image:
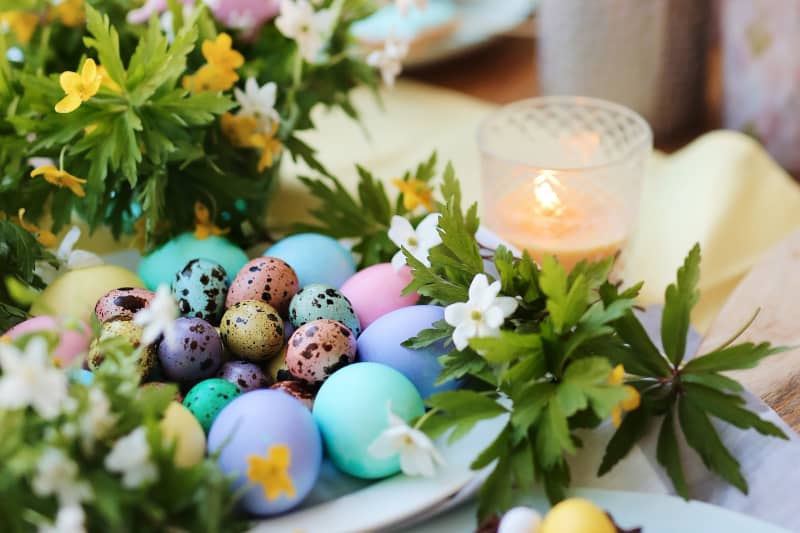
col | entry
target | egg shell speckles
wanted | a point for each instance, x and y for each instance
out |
(318, 349)
(253, 330)
(131, 333)
(122, 304)
(276, 367)
(315, 302)
(267, 279)
(206, 399)
(302, 392)
(245, 375)
(197, 353)
(200, 289)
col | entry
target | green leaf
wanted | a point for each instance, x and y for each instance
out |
(646, 357)
(669, 456)
(729, 407)
(553, 439)
(739, 357)
(713, 380)
(634, 426)
(510, 346)
(566, 303)
(498, 448)
(528, 407)
(495, 495)
(585, 382)
(679, 300)
(440, 331)
(464, 408)
(106, 41)
(703, 438)
(459, 363)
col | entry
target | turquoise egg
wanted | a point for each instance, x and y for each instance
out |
(351, 411)
(318, 302)
(315, 258)
(160, 266)
(206, 399)
(200, 288)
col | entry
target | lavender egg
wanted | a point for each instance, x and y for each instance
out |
(197, 353)
(247, 376)
(318, 349)
(200, 288)
(259, 432)
(122, 304)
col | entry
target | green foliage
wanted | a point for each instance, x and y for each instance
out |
(19, 252)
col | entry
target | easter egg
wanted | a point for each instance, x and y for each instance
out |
(269, 442)
(315, 302)
(351, 410)
(267, 279)
(252, 329)
(132, 334)
(75, 293)
(196, 353)
(576, 515)
(377, 290)
(302, 392)
(81, 376)
(206, 399)
(73, 336)
(316, 258)
(122, 304)
(245, 375)
(382, 342)
(159, 267)
(276, 367)
(319, 348)
(181, 428)
(200, 288)
(519, 519)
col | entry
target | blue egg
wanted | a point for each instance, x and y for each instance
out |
(315, 258)
(250, 432)
(317, 302)
(81, 376)
(351, 411)
(160, 266)
(200, 288)
(382, 342)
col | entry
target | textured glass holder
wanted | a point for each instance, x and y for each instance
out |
(562, 175)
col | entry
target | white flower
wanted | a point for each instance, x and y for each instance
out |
(158, 318)
(418, 242)
(309, 28)
(30, 379)
(97, 420)
(482, 315)
(418, 455)
(167, 23)
(56, 475)
(70, 519)
(390, 59)
(404, 5)
(130, 457)
(259, 103)
(67, 257)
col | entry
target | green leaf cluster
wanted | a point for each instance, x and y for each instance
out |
(19, 252)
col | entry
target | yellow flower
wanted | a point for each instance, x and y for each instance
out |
(69, 12)
(238, 129)
(219, 53)
(22, 23)
(79, 87)
(210, 78)
(60, 178)
(269, 146)
(272, 472)
(45, 238)
(631, 403)
(5, 339)
(415, 192)
(204, 227)
(106, 80)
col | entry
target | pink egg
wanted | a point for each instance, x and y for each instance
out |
(74, 336)
(377, 290)
(267, 279)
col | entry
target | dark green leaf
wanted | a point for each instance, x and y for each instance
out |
(553, 439)
(713, 380)
(739, 357)
(634, 426)
(566, 303)
(440, 331)
(669, 455)
(729, 407)
(464, 408)
(647, 357)
(679, 300)
(498, 448)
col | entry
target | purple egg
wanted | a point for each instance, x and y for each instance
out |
(382, 342)
(245, 375)
(254, 427)
(197, 354)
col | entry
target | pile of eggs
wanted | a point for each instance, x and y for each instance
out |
(292, 351)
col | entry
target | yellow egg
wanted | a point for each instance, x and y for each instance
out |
(576, 515)
(75, 293)
(181, 427)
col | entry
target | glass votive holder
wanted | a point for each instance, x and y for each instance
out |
(562, 176)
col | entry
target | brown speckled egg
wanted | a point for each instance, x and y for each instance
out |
(267, 279)
(276, 367)
(252, 330)
(318, 349)
(131, 333)
(122, 304)
(303, 392)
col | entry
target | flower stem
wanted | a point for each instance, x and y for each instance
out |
(427, 416)
(61, 157)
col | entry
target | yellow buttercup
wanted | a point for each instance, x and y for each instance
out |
(45, 238)
(415, 193)
(631, 403)
(79, 87)
(60, 178)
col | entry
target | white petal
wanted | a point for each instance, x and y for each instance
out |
(398, 261)
(462, 334)
(485, 330)
(382, 447)
(68, 243)
(478, 291)
(455, 314)
(494, 317)
(422, 255)
(400, 230)
(428, 231)
(506, 304)
(415, 462)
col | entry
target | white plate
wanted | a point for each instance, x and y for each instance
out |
(481, 20)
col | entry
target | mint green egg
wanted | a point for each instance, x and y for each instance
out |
(351, 411)
(206, 399)
(160, 266)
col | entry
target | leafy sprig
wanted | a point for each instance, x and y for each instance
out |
(19, 252)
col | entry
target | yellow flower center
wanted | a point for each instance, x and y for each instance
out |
(476, 315)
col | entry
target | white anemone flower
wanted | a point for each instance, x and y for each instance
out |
(259, 103)
(482, 315)
(130, 457)
(68, 257)
(309, 28)
(56, 475)
(30, 379)
(158, 318)
(69, 519)
(417, 241)
(389, 60)
(418, 454)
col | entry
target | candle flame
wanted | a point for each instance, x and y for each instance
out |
(546, 197)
